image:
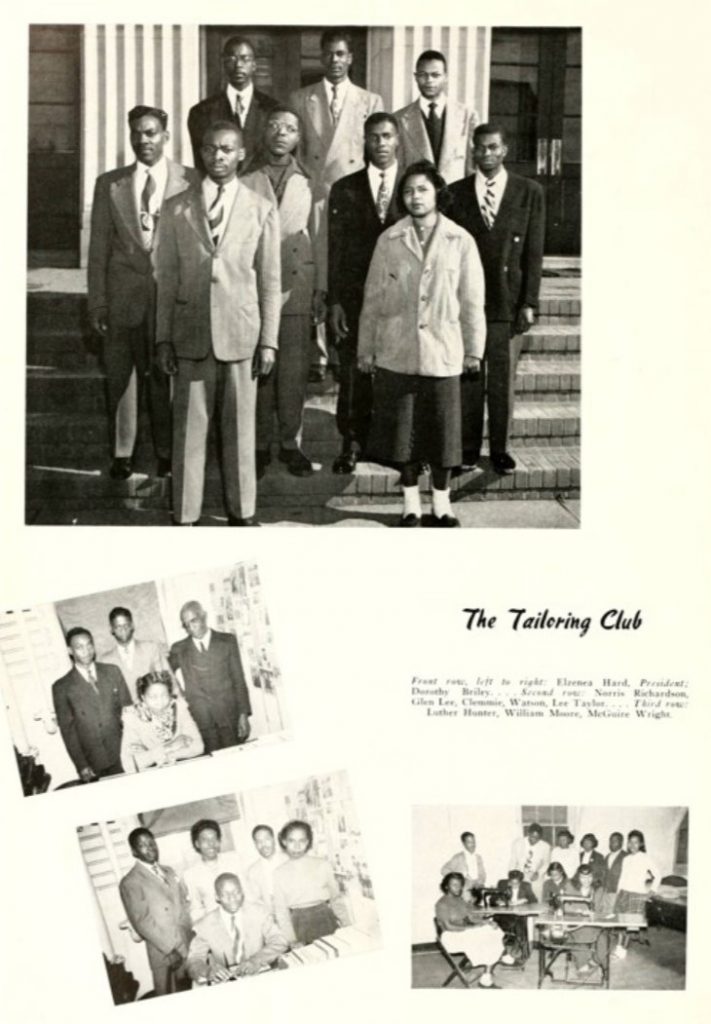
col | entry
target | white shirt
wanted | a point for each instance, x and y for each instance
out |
(245, 96)
(84, 671)
(205, 640)
(200, 877)
(209, 193)
(127, 652)
(440, 103)
(472, 865)
(230, 921)
(260, 876)
(531, 858)
(375, 178)
(567, 857)
(341, 92)
(159, 173)
(497, 188)
(635, 868)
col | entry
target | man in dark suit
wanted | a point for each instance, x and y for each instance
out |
(505, 214)
(156, 904)
(239, 102)
(361, 206)
(125, 220)
(213, 680)
(613, 870)
(88, 702)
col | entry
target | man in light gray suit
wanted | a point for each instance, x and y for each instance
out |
(134, 657)
(434, 127)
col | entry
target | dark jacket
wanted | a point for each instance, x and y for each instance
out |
(217, 108)
(598, 865)
(90, 721)
(511, 251)
(525, 890)
(215, 686)
(612, 875)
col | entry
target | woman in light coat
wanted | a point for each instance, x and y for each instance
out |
(158, 729)
(422, 325)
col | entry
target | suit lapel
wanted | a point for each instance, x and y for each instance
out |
(453, 129)
(175, 181)
(125, 204)
(508, 201)
(320, 114)
(417, 131)
(348, 121)
(196, 216)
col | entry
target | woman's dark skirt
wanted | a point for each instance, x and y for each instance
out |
(416, 419)
(311, 923)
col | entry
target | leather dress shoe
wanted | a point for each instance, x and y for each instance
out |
(317, 374)
(238, 521)
(163, 467)
(264, 457)
(410, 520)
(345, 463)
(296, 462)
(121, 469)
(503, 463)
(470, 459)
(446, 521)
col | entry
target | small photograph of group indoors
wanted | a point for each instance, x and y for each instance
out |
(213, 891)
(139, 677)
(550, 897)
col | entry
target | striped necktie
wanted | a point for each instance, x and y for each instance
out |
(334, 105)
(239, 110)
(488, 207)
(147, 218)
(383, 199)
(216, 215)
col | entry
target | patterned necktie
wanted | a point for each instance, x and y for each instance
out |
(334, 105)
(382, 200)
(488, 207)
(147, 218)
(239, 110)
(235, 939)
(215, 216)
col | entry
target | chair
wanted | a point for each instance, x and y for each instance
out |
(456, 961)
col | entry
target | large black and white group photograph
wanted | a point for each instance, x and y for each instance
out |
(221, 889)
(550, 897)
(290, 275)
(140, 677)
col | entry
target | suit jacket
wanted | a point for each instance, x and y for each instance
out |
(598, 865)
(120, 271)
(353, 230)
(299, 271)
(217, 108)
(158, 911)
(612, 874)
(90, 722)
(213, 945)
(225, 298)
(142, 745)
(525, 890)
(512, 251)
(147, 657)
(455, 155)
(459, 863)
(328, 152)
(214, 682)
(423, 314)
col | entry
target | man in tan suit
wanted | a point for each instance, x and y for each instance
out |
(333, 113)
(134, 657)
(280, 178)
(219, 300)
(434, 127)
(125, 218)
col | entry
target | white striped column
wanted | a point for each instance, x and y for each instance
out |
(124, 65)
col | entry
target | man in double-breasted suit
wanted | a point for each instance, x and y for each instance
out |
(135, 658)
(434, 127)
(280, 178)
(88, 702)
(333, 113)
(239, 102)
(505, 214)
(235, 939)
(213, 679)
(125, 220)
(156, 905)
(219, 301)
(360, 207)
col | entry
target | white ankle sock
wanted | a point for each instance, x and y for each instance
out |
(411, 501)
(440, 502)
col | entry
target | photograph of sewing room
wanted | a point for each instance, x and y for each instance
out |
(217, 890)
(549, 897)
(144, 676)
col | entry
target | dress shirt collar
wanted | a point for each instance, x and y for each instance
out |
(440, 103)
(227, 921)
(205, 640)
(341, 91)
(127, 651)
(159, 173)
(499, 180)
(246, 96)
(374, 177)
(83, 670)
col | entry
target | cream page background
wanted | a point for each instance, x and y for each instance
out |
(357, 612)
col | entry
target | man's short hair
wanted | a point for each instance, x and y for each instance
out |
(201, 826)
(466, 835)
(238, 41)
(431, 55)
(226, 876)
(136, 834)
(377, 117)
(143, 111)
(489, 128)
(284, 108)
(77, 631)
(336, 35)
(262, 828)
(118, 612)
(534, 827)
(218, 126)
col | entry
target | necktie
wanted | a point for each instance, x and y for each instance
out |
(215, 216)
(147, 218)
(91, 672)
(158, 871)
(488, 207)
(235, 939)
(334, 105)
(203, 648)
(434, 130)
(383, 199)
(239, 110)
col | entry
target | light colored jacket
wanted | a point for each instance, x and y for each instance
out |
(455, 156)
(141, 743)
(458, 862)
(423, 313)
(213, 947)
(225, 297)
(148, 656)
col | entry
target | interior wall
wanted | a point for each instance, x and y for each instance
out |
(92, 612)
